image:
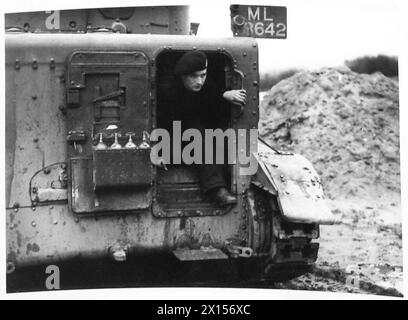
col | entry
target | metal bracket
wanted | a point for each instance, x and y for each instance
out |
(238, 251)
(76, 136)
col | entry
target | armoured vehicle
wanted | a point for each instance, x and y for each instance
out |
(77, 80)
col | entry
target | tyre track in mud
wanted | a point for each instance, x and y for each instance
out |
(331, 279)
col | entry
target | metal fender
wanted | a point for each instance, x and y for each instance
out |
(292, 178)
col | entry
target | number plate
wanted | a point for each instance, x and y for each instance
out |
(258, 21)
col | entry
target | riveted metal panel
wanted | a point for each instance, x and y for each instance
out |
(300, 192)
(113, 92)
(52, 234)
(123, 168)
(91, 235)
(35, 125)
(139, 20)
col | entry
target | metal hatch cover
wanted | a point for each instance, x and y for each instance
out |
(300, 192)
(108, 101)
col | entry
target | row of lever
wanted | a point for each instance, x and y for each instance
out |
(129, 145)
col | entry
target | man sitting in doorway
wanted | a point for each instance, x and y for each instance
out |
(196, 103)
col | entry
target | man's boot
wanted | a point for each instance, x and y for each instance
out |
(222, 197)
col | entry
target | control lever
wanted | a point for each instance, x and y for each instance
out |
(130, 144)
(109, 96)
(145, 144)
(101, 145)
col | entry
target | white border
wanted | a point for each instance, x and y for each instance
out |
(204, 293)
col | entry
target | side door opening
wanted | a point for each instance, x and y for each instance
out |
(178, 188)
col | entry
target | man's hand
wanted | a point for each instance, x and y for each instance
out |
(237, 97)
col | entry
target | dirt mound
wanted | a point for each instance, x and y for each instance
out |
(346, 124)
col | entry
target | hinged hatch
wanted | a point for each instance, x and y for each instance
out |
(108, 119)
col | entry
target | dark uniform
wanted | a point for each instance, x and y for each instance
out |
(192, 98)
(197, 110)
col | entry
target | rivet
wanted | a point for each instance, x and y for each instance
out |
(244, 53)
(62, 109)
(217, 212)
(52, 63)
(255, 83)
(33, 208)
(34, 64)
(33, 223)
(51, 207)
(55, 222)
(17, 64)
(76, 220)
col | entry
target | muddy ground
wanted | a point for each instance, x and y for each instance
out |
(361, 255)
(347, 125)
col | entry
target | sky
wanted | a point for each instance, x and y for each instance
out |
(320, 33)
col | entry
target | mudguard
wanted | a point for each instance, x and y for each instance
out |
(295, 182)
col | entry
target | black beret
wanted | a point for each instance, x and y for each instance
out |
(190, 62)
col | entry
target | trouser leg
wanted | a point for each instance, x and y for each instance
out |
(211, 176)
